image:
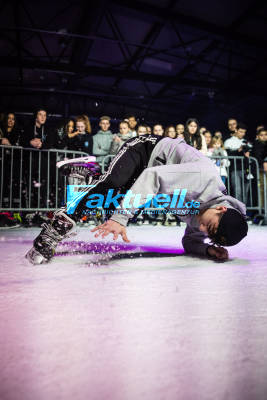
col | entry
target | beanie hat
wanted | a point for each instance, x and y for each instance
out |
(232, 228)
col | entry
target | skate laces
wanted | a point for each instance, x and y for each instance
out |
(50, 236)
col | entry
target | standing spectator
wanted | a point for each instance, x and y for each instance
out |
(120, 138)
(158, 130)
(132, 124)
(102, 140)
(208, 138)
(81, 139)
(149, 130)
(232, 126)
(141, 130)
(193, 137)
(170, 132)
(259, 152)
(11, 160)
(235, 147)
(10, 131)
(180, 130)
(218, 135)
(37, 135)
(217, 150)
(64, 133)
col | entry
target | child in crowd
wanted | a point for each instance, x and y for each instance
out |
(120, 138)
(217, 150)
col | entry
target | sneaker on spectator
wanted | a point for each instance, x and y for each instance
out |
(6, 221)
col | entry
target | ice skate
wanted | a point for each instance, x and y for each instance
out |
(80, 171)
(44, 246)
(34, 257)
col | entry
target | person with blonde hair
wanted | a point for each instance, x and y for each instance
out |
(217, 150)
(81, 138)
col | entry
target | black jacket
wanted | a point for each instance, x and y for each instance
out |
(14, 136)
(44, 133)
(82, 142)
(260, 152)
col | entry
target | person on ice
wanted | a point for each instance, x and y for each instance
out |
(150, 165)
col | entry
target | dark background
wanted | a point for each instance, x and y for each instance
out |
(163, 61)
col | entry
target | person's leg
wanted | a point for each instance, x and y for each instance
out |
(124, 168)
(122, 171)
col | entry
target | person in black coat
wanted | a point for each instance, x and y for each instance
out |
(37, 134)
(259, 152)
(10, 131)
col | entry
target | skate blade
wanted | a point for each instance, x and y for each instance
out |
(35, 258)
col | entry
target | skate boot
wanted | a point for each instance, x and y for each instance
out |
(80, 171)
(44, 246)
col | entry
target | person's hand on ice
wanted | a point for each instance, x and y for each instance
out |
(220, 253)
(111, 227)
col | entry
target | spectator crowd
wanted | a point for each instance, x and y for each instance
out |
(76, 135)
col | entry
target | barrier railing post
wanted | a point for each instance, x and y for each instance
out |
(20, 178)
(2, 177)
(11, 178)
(30, 179)
(265, 196)
(48, 180)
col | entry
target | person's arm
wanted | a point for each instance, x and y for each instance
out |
(73, 134)
(193, 243)
(5, 142)
(224, 161)
(115, 145)
(97, 149)
(204, 148)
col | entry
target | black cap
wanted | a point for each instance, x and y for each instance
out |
(232, 228)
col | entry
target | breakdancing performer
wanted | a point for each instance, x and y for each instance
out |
(150, 165)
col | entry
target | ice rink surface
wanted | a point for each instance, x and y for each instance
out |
(126, 322)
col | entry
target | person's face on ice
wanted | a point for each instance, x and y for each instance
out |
(192, 128)
(209, 219)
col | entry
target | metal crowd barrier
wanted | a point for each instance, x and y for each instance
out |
(265, 196)
(105, 162)
(243, 180)
(30, 180)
